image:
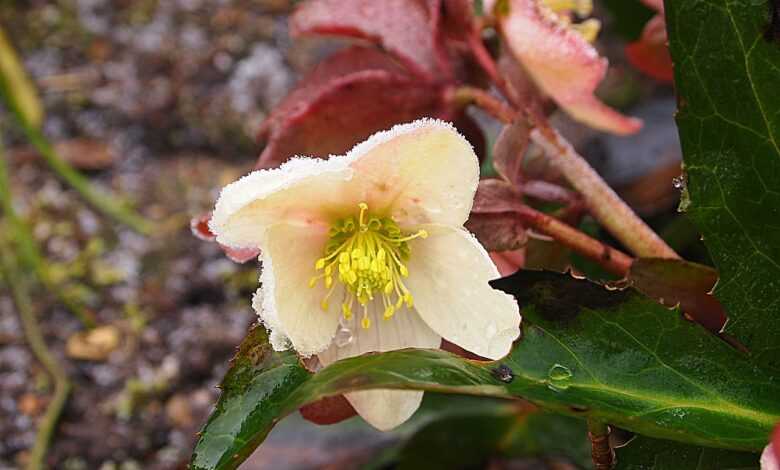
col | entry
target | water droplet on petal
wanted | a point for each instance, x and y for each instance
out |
(343, 337)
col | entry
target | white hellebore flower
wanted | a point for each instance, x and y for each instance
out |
(367, 252)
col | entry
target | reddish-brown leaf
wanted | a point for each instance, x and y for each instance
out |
(498, 231)
(347, 98)
(675, 282)
(495, 195)
(329, 410)
(509, 150)
(650, 54)
(406, 28)
(493, 219)
(457, 19)
(776, 441)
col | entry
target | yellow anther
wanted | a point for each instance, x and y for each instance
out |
(581, 8)
(346, 309)
(369, 255)
(389, 311)
(324, 305)
(409, 300)
(588, 29)
(313, 281)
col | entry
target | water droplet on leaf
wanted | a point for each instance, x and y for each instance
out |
(503, 373)
(559, 376)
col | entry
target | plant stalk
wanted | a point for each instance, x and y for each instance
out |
(28, 251)
(612, 260)
(101, 202)
(62, 387)
(601, 452)
(601, 200)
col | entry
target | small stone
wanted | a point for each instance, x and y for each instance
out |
(93, 345)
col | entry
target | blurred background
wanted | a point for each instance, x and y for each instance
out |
(159, 101)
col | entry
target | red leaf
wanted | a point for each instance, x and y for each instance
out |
(675, 282)
(509, 150)
(776, 441)
(348, 97)
(405, 28)
(329, 410)
(650, 54)
(457, 19)
(508, 262)
(493, 219)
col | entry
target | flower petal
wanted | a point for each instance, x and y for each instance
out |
(422, 172)
(384, 409)
(562, 64)
(303, 190)
(289, 307)
(448, 277)
(769, 460)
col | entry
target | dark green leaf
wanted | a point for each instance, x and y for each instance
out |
(630, 17)
(727, 76)
(615, 356)
(254, 393)
(644, 453)
(465, 440)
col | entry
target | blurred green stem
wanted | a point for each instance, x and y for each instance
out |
(28, 251)
(21, 296)
(102, 202)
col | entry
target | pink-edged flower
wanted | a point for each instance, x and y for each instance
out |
(367, 252)
(558, 56)
(770, 458)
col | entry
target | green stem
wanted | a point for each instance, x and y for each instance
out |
(602, 201)
(37, 345)
(28, 251)
(101, 202)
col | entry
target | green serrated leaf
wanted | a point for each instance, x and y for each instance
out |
(727, 72)
(614, 356)
(643, 453)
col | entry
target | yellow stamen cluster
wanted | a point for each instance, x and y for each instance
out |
(366, 255)
(588, 29)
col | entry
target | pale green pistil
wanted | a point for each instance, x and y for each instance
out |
(367, 256)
